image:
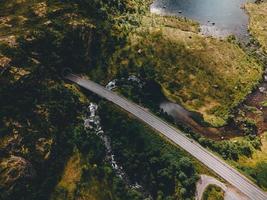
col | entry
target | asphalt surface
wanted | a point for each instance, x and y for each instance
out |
(230, 193)
(213, 162)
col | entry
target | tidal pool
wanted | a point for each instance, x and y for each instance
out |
(216, 17)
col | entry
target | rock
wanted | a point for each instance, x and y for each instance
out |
(111, 85)
(4, 63)
(13, 144)
(262, 89)
(48, 22)
(40, 9)
(10, 40)
(14, 171)
(43, 147)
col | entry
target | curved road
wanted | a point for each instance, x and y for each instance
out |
(230, 193)
(203, 155)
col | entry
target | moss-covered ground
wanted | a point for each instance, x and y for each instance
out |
(255, 166)
(207, 75)
(258, 22)
(213, 192)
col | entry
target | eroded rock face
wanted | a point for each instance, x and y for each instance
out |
(40, 9)
(13, 144)
(4, 62)
(14, 170)
(43, 147)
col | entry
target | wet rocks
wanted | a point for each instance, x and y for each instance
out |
(92, 123)
(262, 89)
(132, 79)
(112, 84)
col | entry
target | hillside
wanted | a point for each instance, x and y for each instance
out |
(258, 22)
(45, 150)
(206, 75)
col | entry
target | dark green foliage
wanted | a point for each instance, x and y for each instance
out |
(161, 168)
(213, 192)
(259, 173)
(149, 94)
(37, 106)
(20, 103)
(96, 170)
(229, 149)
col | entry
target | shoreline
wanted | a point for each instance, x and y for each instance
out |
(249, 99)
(209, 28)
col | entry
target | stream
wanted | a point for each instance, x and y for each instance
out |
(92, 123)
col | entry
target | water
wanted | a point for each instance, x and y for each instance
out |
(217, 17)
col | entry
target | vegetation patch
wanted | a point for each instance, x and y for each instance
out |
(256, 165)
(162, 169)
(258, 22)
(213, 192)
(70, 178)
(39, 112)
(206, 75)
(264, 103)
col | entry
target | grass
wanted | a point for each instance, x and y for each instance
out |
(258, 22)
(204, 74)
(95, 190)
(258, 155)
(213, 192)
(264, 103)
(255, 167)
(73, 184)
(71, 176)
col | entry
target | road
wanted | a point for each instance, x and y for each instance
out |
(213, 162)
(230, 193)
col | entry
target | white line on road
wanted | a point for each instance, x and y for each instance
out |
(203, 155)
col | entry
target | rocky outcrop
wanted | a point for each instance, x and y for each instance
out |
(14, 171)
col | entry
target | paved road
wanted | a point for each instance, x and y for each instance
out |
(204, 182)
(207, 158)
(230, 193)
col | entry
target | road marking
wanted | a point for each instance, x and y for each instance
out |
(203, 155)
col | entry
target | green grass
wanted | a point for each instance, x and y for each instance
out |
(264, 103)
(255, 167)
(204, 74)
(70, 178)
(258, 156)
(258, 22)
(213, 192)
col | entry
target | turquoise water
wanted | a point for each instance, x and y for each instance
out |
(217, 17)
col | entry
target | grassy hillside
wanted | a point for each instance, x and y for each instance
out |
(258, 22)
(39, 112)
(204, 74)
(41, 115)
